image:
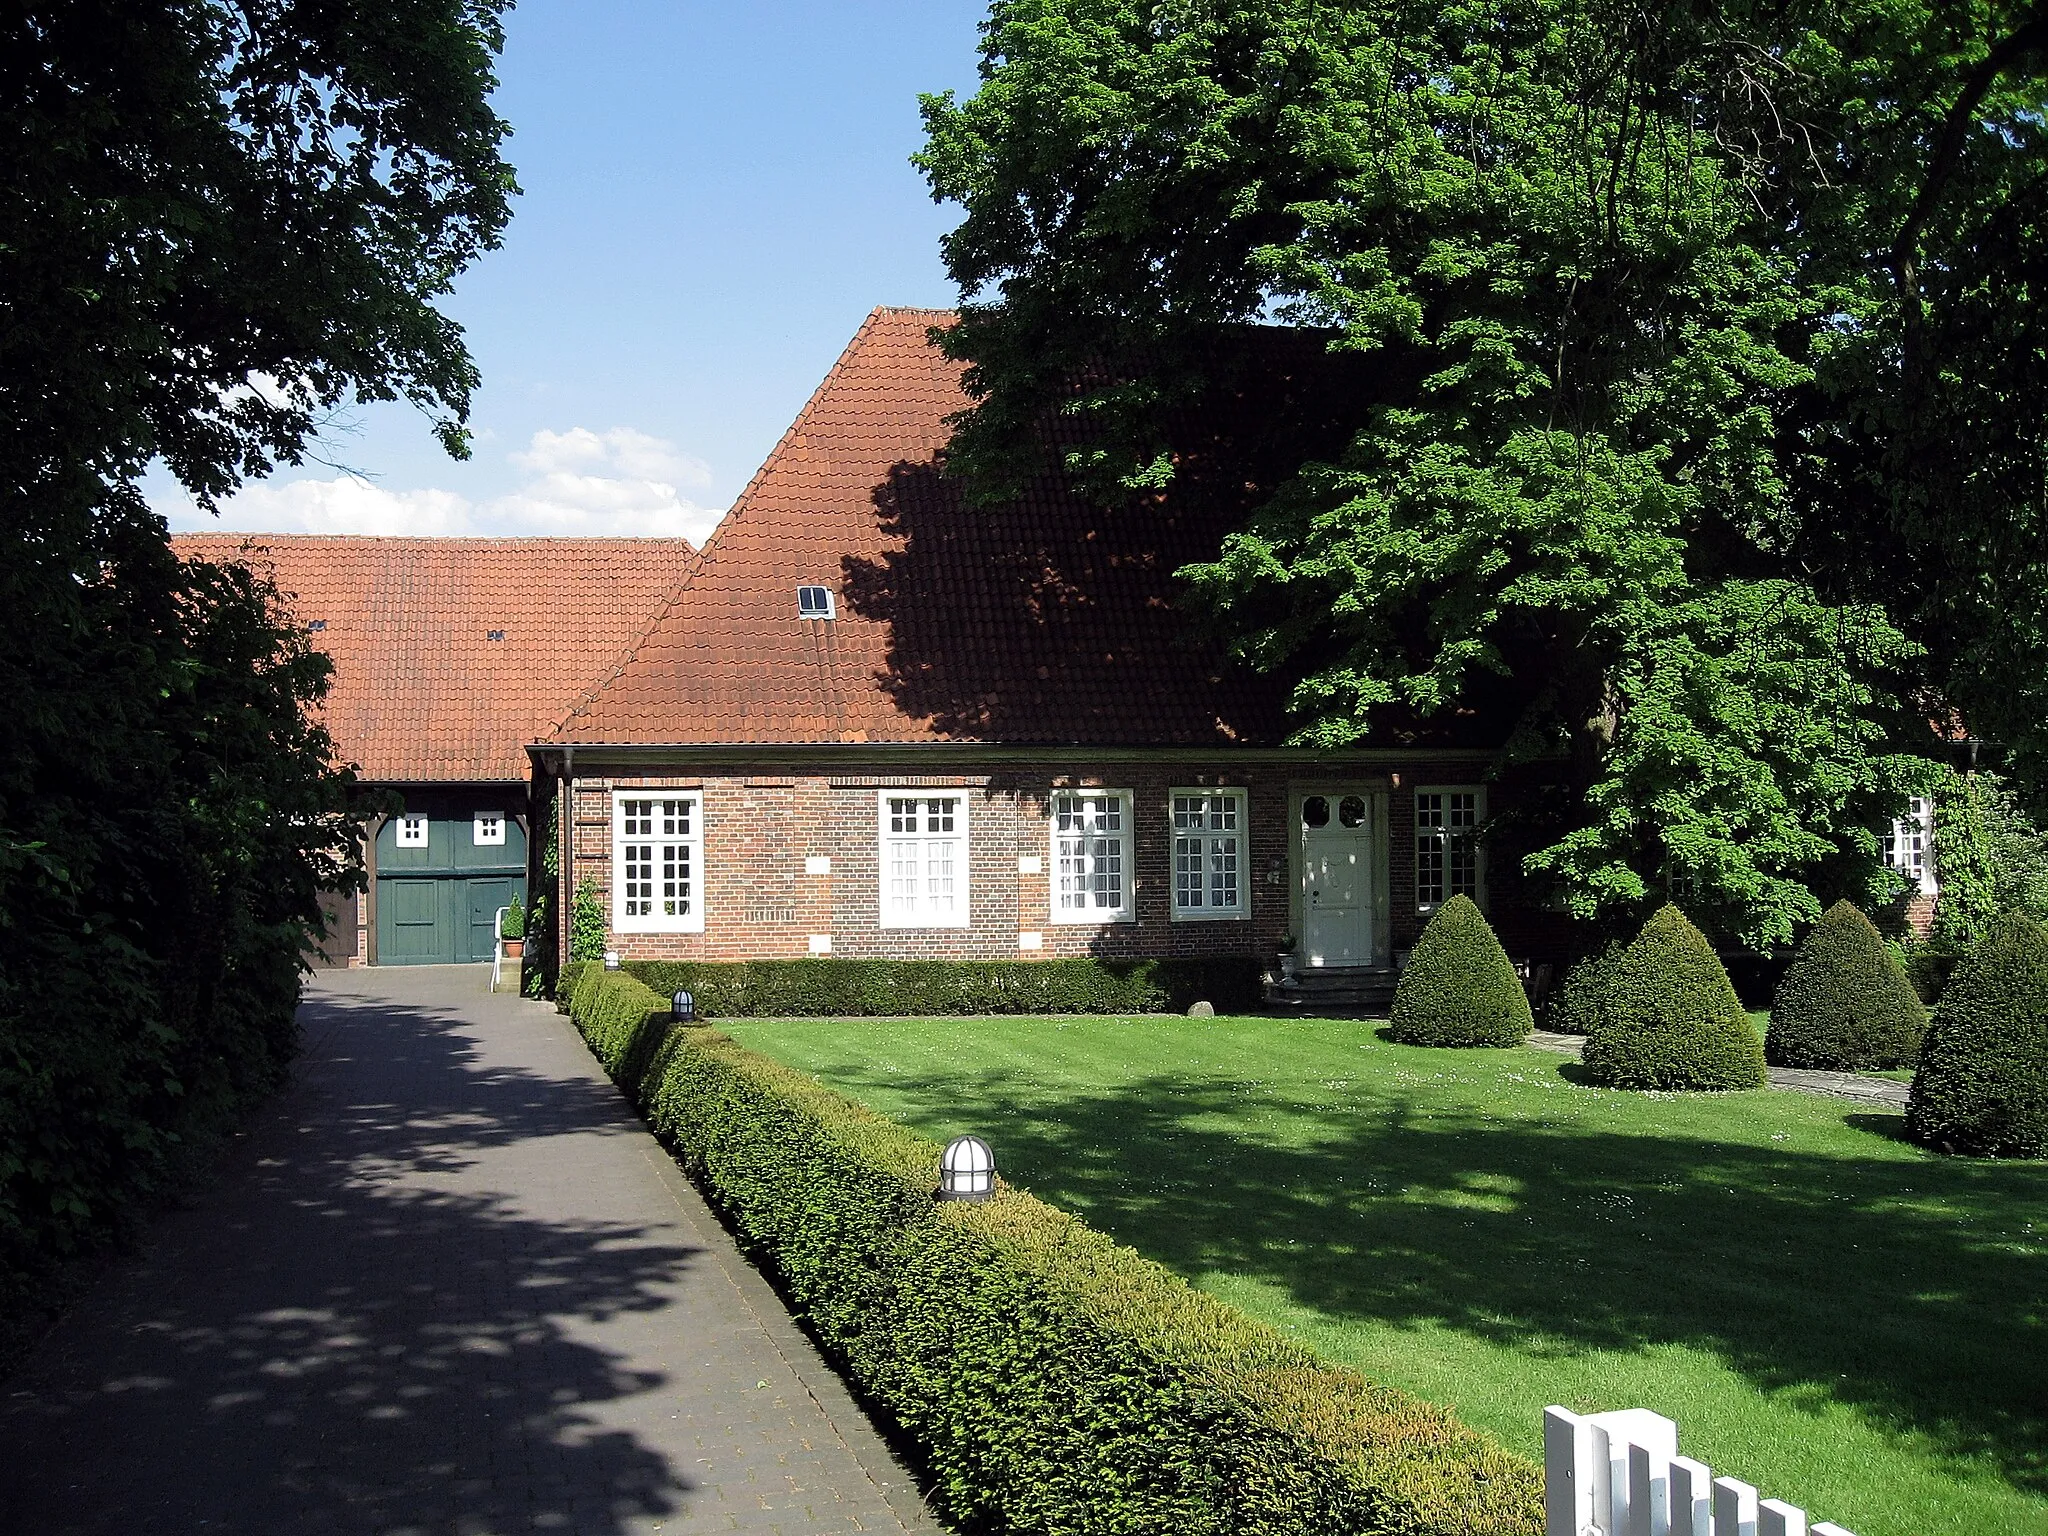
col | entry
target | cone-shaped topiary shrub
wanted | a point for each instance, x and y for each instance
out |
(1982, 1086)
(1459, 987)
(1671, 1019)
(1845, 1004)
(1576, 1003)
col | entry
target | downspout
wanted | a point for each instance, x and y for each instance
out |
(376, 827)
(565, 916)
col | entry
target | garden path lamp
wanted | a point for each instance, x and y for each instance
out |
(967, 1170)
(682, 1008)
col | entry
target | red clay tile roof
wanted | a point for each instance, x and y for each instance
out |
(420, 691)
(1047, 621)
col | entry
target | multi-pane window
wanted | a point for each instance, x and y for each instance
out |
(924, 860)
(412, 831)
(1208, 853)
(487, 829)
(1091, 856)
(1909, 844)
(1447, 853)
(657, 863)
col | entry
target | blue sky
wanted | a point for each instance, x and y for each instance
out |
(714, 195)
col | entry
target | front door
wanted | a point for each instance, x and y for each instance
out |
(1339, 878)
(485, 898)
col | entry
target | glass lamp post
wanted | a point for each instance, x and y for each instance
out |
(967, 1169)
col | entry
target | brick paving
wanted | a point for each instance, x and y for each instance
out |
(447, 1284)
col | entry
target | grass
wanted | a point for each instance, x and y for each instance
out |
(1828, 1312)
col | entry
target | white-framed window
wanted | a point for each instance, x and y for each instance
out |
(1909, 845)
(923, 848)
(657, 861)
(412, 831)
(1448, 859)
(1210, 855)
(487, 829)
(1091, 856)
(815, 603)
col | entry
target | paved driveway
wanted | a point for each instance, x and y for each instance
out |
(447, 1284)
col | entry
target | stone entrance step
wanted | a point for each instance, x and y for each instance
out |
(1335, 990)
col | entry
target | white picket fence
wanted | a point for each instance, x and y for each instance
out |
(1620, 1474)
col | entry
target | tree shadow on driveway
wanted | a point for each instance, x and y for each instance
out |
(389, 1315)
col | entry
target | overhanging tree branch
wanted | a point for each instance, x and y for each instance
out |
(2028, 38)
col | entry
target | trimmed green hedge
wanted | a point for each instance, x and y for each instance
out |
(1459, 987)
(1669, 1018)
(1051, 1380)
(838, 988)
(1575, 1006)
(1845, 1004)
(566, 979)
(1929, 970)
(1982, 1087)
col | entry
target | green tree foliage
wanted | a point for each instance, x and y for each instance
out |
(1982, 1086)
(587, 927)
(1670, 1017)
(219, 223)
(1459, 987)
(2019, 850)
(158, 882)
(1845, 1004)
(541, 964)
(1694, 398)
(1966, 861)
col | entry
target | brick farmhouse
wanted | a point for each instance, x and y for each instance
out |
(871, 719)
(876, 720)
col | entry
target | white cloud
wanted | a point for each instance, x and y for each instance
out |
(579, 482)
(635, 455)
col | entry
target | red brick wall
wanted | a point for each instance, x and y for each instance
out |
(759, 828)
(1920, 914)
(760, 904)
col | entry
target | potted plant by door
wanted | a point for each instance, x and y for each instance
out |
(1287, 958)
(512, 929)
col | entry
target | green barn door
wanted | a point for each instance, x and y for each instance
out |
(412, 923)
(445, 864)
(485, 897)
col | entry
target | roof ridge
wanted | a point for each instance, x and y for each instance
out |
(737, 510)
(437, 539)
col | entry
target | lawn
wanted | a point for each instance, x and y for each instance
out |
(1854, 1325)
